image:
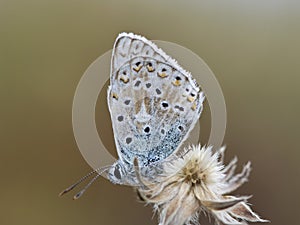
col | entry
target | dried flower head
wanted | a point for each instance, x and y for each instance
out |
(198, 182)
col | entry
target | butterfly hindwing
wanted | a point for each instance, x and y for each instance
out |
(153, 102)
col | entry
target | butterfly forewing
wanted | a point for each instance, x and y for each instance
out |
(153, 102)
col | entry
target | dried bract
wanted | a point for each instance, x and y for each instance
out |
(198, 182)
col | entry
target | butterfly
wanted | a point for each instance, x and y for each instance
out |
(153, 103)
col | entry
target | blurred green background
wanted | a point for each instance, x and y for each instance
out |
(252, 46)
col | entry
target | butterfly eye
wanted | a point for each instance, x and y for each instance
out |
(117, 172)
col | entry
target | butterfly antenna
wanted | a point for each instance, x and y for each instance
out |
(98, 170)
(78, 195)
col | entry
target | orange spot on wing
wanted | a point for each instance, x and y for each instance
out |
(194, 107)
(163, 75)
(176, 83)
(150, 68)
(124, 79)
(191, 99)
(137, 69)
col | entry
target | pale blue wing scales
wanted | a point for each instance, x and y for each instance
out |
(153, 102)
